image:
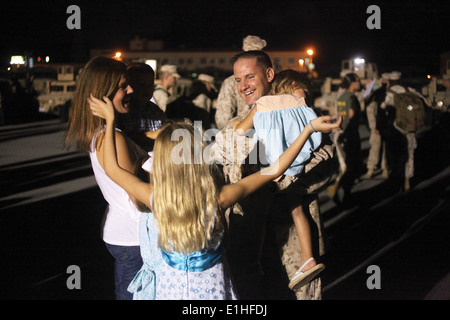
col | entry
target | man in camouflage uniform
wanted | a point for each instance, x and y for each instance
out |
(229, 102)
(249, 218)
(376, 141)
(400, 144)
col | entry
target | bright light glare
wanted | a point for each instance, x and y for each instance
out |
(359, 61)
(310, 52)
(17, 60)
(151, 63)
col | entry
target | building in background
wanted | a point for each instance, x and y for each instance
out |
(193, 62)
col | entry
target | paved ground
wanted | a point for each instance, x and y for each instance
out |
(51, 211)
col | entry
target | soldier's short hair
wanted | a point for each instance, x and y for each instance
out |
(261, 57)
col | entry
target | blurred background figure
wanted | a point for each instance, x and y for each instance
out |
(402, 126)
(208, 81)
(209, 97)
(193, 107)
(199, 95)
(347, 140)
(2, 116)
(168, 75)
(143, 116)
(376, 139)
(446, 83)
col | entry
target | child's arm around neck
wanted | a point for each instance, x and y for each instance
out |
(241, 127)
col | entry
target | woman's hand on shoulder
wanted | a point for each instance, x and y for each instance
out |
(101, 108)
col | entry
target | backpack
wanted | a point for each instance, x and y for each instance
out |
(410, 111)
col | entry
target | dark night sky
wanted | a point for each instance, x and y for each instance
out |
(413, 33)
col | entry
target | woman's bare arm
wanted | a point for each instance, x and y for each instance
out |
(124, 178)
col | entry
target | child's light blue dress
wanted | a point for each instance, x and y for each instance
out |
(198, 276)
(173, 276)
(278, 121)
(145, 282)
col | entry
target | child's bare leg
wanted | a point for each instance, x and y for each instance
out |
(304, 236)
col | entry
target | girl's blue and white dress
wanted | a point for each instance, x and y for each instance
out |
(173, 276)
(145, 282)
(278, 121)
(197, 276)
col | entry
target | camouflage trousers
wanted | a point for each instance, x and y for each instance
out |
(376, 145)
(412, 145)
(291, 251)
(340, 153)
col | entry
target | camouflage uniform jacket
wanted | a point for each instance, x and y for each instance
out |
(231, 149)
(229, 103)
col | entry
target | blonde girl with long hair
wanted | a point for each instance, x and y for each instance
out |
(120, 232)
(187, 199)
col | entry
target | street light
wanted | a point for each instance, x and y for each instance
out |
(301, 62)
(310, 52)
(118, 56)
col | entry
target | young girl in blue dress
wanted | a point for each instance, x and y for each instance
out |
(187, 197)
(278, 119)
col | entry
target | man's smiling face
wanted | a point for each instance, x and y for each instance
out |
(253, 82)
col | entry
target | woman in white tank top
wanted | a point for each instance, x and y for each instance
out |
(105, 77)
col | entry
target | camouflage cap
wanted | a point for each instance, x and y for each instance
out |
(170, 69)
(207, 78)
(395, 75)
(253, 43)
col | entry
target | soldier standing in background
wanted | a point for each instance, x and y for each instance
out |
(376, 140)
(169, 76)
(401, 142)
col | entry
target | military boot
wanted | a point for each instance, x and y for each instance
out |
(407, 186)
(369, 174)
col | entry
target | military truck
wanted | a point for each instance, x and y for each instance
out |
(438, 97)
(366, 71)
(57, 94)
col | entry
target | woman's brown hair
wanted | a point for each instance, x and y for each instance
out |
(101, 77)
